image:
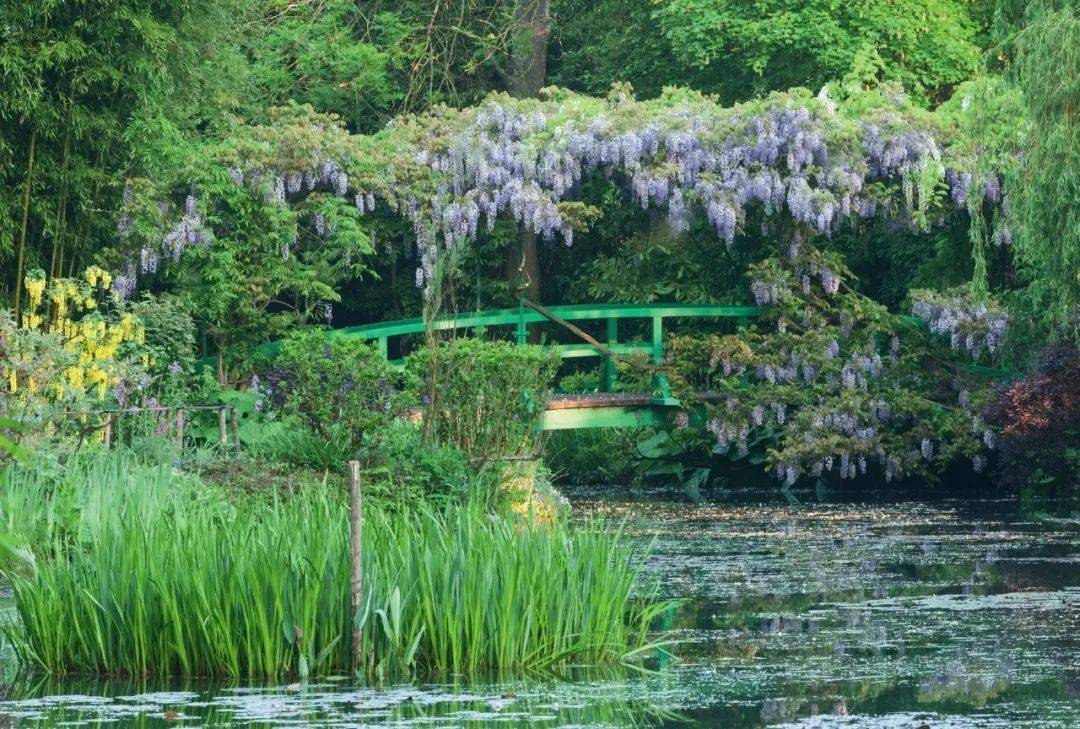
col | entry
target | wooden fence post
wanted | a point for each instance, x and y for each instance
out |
(108, 430)
(356, 573)
(223, 430)
(180, 429)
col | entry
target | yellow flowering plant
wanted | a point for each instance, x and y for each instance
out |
(72, 347)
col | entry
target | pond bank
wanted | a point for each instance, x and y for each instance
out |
(955, 613)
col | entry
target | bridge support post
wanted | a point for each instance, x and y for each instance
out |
(522, 332)
(607, 382)
(661, 387)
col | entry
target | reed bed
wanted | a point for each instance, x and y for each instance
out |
(183, 581)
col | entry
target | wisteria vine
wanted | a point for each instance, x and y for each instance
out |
(454, 172)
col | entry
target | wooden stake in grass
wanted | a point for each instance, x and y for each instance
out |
(356, 568)
(180, 429)
(223, 432)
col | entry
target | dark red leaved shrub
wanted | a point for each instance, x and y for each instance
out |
(1039, 422)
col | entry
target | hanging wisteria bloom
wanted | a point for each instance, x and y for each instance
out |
(971, 324)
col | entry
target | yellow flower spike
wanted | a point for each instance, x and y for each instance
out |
(35, 288)
(75, 376)
(13, 381)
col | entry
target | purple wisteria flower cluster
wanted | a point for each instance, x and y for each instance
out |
(972, 325)
(454, 172)
(788, 157)
(276, 187)
(190, 230)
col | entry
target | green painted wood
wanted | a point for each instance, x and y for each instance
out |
(573, 312)
(633, 416)
(607, 383)
(522, 328)
(657, 340)
(573, 351)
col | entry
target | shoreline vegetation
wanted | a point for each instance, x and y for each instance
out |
(140, 570)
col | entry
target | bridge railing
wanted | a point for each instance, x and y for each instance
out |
(521, 318)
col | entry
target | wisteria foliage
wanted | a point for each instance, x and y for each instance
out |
(972, 324)
(811, 160)
(829, 375)
(835, 383)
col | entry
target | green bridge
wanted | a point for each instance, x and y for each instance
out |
(606, 408)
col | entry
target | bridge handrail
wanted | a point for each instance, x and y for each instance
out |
(521, 317)
(570, 312)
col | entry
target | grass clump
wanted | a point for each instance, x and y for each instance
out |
(172, 577)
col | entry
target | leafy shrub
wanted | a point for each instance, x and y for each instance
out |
(827, 382)
(334, 385)
(593, 456)
(1039, 419)
(404, 472)
(483, 397)
(169, 345)
(399, 470)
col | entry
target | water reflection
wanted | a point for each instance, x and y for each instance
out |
(946, 614)
(567, 698)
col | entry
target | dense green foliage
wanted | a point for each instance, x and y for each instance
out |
(1045, 217)
(929, 46)
(84, 85)
(331, 384)
(483, 397)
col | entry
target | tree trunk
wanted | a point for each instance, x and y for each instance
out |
(528, 62)
(528, 73)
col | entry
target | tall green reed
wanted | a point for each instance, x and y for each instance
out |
(173, 578)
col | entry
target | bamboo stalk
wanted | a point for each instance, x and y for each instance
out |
(19, 273)
(61, 203)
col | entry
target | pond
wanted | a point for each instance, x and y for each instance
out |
(875, 613)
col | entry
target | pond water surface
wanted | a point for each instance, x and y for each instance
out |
(949, 613)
